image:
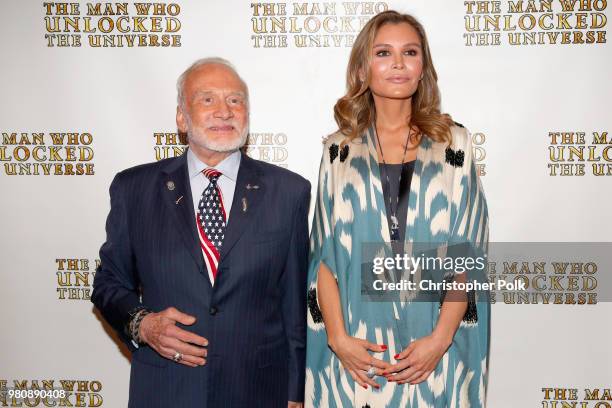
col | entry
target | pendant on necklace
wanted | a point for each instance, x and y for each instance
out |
(394, 228)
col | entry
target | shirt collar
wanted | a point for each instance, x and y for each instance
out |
(228, 166)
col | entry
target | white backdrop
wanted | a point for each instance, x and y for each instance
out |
(511, 97)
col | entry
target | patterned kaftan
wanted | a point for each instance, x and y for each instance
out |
(446, 204)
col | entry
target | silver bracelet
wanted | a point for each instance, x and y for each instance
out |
(135, 325)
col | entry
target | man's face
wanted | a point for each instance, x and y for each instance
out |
(214, 112)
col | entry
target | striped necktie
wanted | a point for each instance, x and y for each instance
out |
(211, 219)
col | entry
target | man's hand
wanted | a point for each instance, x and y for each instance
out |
(159, 331)
(292, 404)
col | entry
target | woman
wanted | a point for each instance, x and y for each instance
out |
(397, 170)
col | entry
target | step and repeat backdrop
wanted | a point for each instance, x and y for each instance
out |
(88, 89)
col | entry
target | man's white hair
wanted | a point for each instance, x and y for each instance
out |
(180, 83)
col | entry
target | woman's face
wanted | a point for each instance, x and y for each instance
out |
(397, 61)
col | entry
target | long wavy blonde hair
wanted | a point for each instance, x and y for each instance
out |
(355, 111)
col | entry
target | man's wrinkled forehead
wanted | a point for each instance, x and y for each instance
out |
(214, 77)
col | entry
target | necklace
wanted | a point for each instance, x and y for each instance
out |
(395, 234)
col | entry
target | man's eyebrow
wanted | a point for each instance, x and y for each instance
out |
(210, 91)
(198, 93)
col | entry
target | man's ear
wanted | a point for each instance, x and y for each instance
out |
(181, 120)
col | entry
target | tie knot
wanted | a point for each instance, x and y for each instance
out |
(212, 174)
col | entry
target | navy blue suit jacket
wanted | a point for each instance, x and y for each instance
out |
(254, 317)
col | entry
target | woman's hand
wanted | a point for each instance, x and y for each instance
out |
(354, 354)
(418, 360)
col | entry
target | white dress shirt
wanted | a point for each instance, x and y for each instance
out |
(227, 181)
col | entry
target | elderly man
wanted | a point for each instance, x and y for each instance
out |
(203, 272)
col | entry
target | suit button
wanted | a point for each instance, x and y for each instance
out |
(213, 311)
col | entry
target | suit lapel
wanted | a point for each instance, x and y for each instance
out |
(248, 195)
(176, 192)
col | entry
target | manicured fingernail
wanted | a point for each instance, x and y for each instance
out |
(383, 346)
(396, 356)
(365, 386)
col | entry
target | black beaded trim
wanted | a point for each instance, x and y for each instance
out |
(471, 313)
(333, 152)
(344, 153)
(455, 158)
(313, 306)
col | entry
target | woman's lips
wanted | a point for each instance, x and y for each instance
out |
(398, 79)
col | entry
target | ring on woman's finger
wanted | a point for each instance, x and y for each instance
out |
(177, 357)
(371, 372)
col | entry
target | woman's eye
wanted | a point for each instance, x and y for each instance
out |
(411, 52)
(383, 53)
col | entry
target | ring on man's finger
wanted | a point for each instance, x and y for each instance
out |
(177, 357)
